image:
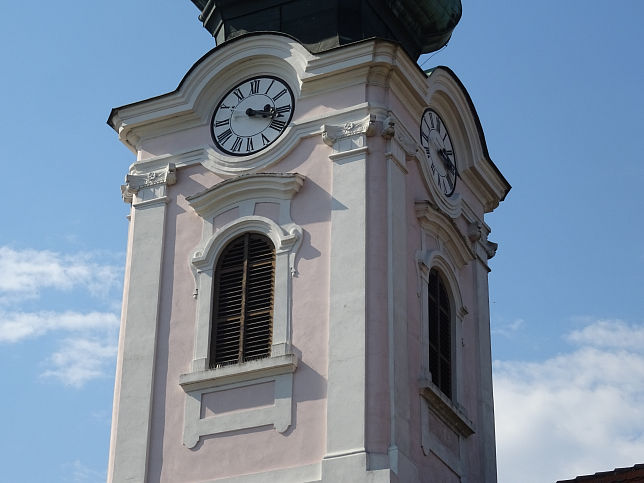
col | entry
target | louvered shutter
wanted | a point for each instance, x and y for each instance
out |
(243, 301)
(440, 334)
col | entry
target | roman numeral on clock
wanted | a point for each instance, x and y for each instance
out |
(224, 136)
(277, 125)
(222, 123)
(279, 94)
(237, 144)
(282, 110)
(254, 86)
(238, 94)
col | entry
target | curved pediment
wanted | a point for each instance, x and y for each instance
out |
(191, 103)
(448, 96)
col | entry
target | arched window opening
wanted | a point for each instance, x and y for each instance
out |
(440, 333)
(242, 322)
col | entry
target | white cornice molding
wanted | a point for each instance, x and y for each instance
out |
(227, 166)
(278, 186)
(190, 105)
(449, 97)
(443, 227)
(140, 188)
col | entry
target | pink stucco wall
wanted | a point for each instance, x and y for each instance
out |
(304, 442)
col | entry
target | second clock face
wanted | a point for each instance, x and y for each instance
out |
(438, 147)
(252, 115)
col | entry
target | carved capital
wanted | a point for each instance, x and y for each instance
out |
(490, 248)
(135, 183)
(389, 131)
(474, 231)
(352, 132)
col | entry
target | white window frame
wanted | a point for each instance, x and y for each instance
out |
(243, 193)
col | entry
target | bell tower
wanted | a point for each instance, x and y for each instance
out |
(306, 293)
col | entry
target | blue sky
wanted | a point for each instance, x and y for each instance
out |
(557, 86)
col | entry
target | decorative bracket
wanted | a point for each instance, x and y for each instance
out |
(349, 135)
(148, 185)
(389, 131)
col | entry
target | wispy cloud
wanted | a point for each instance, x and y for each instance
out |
(610, 334)
(582, 411)
(15, 326)
(507, 330)
(24, 273)
(86, 339)
(80, 360)
(77, 472)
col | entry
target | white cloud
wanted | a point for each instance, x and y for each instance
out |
(79, 473)
(23, 273)
(507, 330)
(574, 414)
(81, 360)
(610, 333)
(15, 326)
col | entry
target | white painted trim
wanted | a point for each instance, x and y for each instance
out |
(299, 474)
(244, 193)
(276, 186)
(279, 414)
(445, 409)
(245, 371)
(443, 228)
(138, 337)
(447, 95)
(346, 404)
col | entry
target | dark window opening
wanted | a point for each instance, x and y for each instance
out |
(242, 322)
(440, 334)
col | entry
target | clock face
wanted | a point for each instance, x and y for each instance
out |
(252, 115)
(438, 146)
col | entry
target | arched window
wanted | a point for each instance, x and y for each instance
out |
(440, 333)
(242, 320)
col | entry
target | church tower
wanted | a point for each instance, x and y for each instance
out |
(306, 290)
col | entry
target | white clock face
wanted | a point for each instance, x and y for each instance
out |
(252, 115)
(438, 146)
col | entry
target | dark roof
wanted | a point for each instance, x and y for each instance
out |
(420, 26)
(618, 475)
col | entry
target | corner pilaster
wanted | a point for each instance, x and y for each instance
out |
(346, 405)
(131, 424)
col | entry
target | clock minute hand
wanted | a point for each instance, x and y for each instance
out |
(266, 112)
(446, 161)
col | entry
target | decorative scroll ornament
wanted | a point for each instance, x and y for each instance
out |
(389, 131)
(333, 135)
(134, 183)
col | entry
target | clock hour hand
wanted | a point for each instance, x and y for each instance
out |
(446, 161)
(268, 111)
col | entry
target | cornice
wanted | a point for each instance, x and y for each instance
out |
(442, 226)
(189, 105)
(280, 186)
(227, 166)
(485, 180)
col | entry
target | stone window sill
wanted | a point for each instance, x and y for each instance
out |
(235, 373)
(445, 409)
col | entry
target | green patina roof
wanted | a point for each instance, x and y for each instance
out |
(419, 26)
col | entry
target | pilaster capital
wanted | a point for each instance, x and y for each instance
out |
(350, 135)
(149, 185)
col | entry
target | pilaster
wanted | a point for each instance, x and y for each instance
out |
(133, 393)
(345, 456)
(484, 250)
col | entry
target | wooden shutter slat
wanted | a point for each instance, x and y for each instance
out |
(243, 299)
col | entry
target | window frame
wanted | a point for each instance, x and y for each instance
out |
(243, 194)
(449, 410)
(243, 267)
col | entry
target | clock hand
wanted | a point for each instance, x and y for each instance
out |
(446, 161)
(268, 111)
